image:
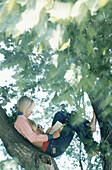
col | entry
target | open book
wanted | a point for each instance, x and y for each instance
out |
(57, 125)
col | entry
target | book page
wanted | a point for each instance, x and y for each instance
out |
(56, 126)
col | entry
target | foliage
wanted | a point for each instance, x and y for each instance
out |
(59, 47)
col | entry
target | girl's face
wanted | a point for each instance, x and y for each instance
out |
(28, 113)
(30, 110)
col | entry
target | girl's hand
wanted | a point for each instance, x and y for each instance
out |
(49, 129)
(56, 134)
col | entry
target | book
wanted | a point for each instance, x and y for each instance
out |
(57, 125)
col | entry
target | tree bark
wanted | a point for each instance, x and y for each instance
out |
(106, 133)
(28, 156)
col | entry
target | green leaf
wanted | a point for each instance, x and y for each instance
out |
(91, 31)
(64, 46)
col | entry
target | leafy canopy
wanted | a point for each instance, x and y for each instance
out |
(58, 46)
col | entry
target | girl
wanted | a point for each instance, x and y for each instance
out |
(53, 144)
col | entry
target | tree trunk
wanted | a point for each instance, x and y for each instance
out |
(28, 156)
(107, 164)
(106, 134)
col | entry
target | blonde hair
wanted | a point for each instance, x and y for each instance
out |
(33, 125)
(24, 104)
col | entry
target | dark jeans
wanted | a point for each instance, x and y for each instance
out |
(57, 146)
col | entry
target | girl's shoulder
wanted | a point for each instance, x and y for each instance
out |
(22, 117)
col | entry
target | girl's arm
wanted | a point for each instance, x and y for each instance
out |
(38, 144)
(22, 126)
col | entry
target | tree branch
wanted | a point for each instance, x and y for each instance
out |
(17, 146)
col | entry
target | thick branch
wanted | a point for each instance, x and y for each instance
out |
(106, 132)
(28, 156)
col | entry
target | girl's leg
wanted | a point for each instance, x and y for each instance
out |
(85, 124)
(86, 134)
(84, 131)
(60, 116)
(57, 146)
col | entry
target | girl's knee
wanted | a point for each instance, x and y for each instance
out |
(58, 114)
(59, 117)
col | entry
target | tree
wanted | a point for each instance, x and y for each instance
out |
(63, 53)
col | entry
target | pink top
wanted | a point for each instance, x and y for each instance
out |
(23, 127)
